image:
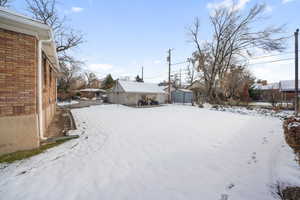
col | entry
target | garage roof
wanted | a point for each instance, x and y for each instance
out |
(139, 87)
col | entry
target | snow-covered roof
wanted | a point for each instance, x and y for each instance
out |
(139, 87)
(185, 90)
(270, 86)
(92, 90)
(288, 85)
(10, 20)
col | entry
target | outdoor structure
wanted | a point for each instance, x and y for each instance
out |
(182, 96)
(92, 93)
(198, 89)
(77, 83)
(287, 89)
(284, 88)
(28, 71)
(129, 93)
(96, 83)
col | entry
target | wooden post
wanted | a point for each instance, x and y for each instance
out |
(169, 84)
(296, 73)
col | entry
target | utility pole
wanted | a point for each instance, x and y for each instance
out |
(296, 73)
(169, 83)
(180, 78)
(142, 73)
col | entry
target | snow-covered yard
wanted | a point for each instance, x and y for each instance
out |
(168, 152)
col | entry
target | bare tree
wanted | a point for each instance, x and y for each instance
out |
(65, 37)
(272, 96)
(235, 81)
(233, 36)
(4, 3)
(90, 76)
(70, 69)
(190, 71)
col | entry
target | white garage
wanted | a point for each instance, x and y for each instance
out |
(129, 92)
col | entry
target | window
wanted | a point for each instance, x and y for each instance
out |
(44, 70)
(50, 77)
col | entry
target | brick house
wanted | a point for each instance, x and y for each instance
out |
(28, 72)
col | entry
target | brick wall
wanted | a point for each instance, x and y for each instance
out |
(49, 85)
(17, 73)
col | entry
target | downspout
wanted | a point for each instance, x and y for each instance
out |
(40, 89)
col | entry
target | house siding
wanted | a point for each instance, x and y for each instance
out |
(18, 92)
(17, 74)
(18, 119)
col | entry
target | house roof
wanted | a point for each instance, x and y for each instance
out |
(270, 86)
(16, 22)
(287, 85)
(92, 90)
(185, 90)
(139, 87)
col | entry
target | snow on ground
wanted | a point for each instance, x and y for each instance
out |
(254, 111)
(167, 152)
(66, 103)
(266, 104)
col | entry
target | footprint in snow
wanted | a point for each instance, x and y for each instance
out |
(230, 186)
(265, 141)
(224, 197)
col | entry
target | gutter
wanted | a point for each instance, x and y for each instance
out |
(40, 89)
(40, 82)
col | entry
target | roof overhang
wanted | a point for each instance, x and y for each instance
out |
(13, 21)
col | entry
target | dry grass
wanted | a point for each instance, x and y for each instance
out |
(20, 155)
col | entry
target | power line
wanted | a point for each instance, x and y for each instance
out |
(180, 63)
(272, 61)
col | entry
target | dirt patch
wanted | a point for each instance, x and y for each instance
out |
(62, 122)
(291, 193)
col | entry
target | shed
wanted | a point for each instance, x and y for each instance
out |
(129, 92)
(182, 96)
(92, 92)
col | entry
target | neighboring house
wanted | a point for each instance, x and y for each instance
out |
(28, 73)
(129, 93)
(77, 84)
(287, 88)
(182, 96)
(92, 93)
(166, 88)
(96, 83)
(198, 89)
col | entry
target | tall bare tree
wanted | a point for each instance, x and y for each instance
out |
(190, 71)
(70, 69)
(234, 36)
(90, 77)
(4, 3)
(66, 38)
(235, 81)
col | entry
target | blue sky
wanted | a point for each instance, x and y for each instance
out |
(123, 35)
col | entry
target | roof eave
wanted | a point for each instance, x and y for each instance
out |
(22, 24)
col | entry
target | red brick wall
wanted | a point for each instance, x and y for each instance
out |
(49, 86)
(17, 73)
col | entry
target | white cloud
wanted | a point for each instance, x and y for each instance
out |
(100, 67)
(229, 4)
(156, 62)
(286, 1)
(268, 9)
(76, 9)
